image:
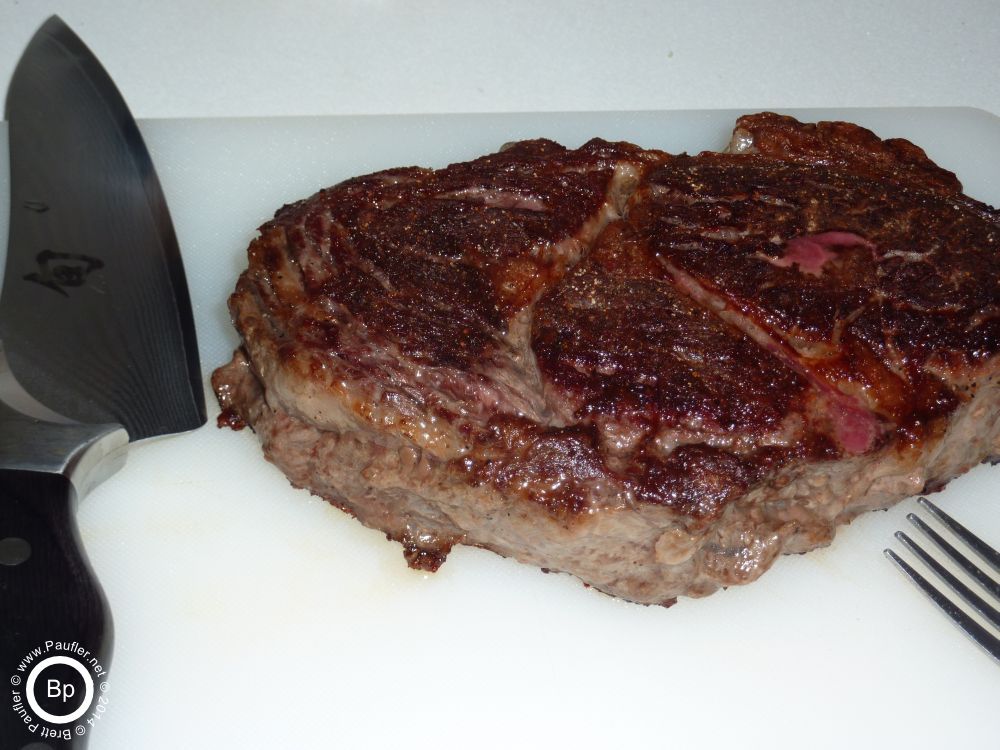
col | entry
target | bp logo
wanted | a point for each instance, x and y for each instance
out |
(58, 690)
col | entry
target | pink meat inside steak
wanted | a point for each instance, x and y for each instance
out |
(655, 372)
(810, 252)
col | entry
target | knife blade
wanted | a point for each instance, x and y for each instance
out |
(98, 349)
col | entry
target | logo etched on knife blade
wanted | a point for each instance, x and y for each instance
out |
(60, 270)
(37, 206)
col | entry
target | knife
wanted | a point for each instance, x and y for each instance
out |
(98, 350)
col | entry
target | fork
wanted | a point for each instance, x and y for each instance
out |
(984, 636)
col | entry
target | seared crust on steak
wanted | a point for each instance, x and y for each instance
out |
(654, 372)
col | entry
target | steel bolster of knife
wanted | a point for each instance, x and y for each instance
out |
(97, 349)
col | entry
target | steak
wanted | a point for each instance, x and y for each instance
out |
(655, 372)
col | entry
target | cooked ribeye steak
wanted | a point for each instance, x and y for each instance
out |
(654, 372)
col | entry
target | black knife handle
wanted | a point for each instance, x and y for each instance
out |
(51, 605)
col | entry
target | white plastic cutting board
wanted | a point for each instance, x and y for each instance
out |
(252, 615)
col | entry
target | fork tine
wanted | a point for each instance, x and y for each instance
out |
(978, 603)
(973, 629)
(982, 548)
(961, 560)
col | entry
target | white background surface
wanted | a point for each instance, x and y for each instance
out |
(252, 616)
(192, 58)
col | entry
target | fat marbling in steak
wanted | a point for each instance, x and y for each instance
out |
(655, 372)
